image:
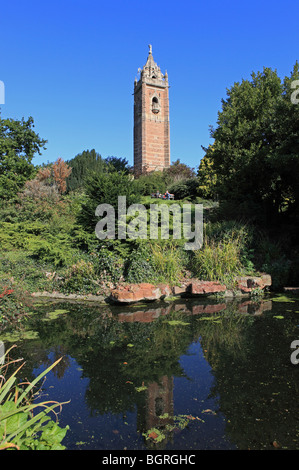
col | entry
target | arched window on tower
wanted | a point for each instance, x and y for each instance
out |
(155, 105)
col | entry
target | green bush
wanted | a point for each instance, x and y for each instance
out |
(139, 267)
(150, 183)
(185, 189)
(244, 235)
(104, 188)
(58, 254)
(80, 277)
(280, 270)
(109, 265)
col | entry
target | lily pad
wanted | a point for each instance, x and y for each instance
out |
(58, 312)
(55, 314)
(283, 298)
(11, 337)
(30, 334)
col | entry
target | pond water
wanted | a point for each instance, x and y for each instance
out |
(183, 375)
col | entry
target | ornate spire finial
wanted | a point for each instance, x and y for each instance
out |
(150, 48)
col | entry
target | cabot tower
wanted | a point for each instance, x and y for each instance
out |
(151, 118)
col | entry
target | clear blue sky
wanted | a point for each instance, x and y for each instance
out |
(71, 65)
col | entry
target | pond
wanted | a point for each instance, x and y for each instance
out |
(188, 374)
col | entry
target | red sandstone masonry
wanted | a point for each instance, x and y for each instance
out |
(195, 287)
(151, 130)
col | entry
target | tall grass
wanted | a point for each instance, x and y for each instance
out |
(219, 260)
(167, 260)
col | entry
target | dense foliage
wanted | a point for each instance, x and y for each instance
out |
(89, 161)
(18, 145)
(254, 159)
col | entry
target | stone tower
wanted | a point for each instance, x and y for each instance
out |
(151, 118)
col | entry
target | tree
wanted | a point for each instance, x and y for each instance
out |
(178, 171)
(104, 188)
(207, 177)
(18, 145)
(255, 152)
(90, 161)
(82, 165)
(118, 164)
(286, 155)
(60, 173)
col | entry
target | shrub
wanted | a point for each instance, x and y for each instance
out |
(150, 183)
(280, 270)
(109, 266)
(80, 277)
(185, 189)
(104, 188)
(59, 254)
(243, 234)
(13, 307)
(139, 268)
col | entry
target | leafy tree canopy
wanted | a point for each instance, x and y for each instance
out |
(90, 161)
(18, 145)
(118, 164)
(255, 154)
(82, 165)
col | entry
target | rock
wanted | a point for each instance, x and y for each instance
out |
(165, 289)
(178, 290)
(229, 294)
(266, 280)
(206, 287)
(136, 293)
(132, 293)
(248, 283)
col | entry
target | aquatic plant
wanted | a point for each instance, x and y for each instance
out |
(20, 427)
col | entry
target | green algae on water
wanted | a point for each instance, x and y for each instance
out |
(13, 336)
(283, 298)
(53, 315)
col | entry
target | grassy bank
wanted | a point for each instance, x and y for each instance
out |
(53, 252)
(46, 247)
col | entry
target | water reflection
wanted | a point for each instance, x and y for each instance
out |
(158, 402)
(146, 315)
(230, 358)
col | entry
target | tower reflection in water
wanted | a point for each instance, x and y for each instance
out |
(157, 412)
